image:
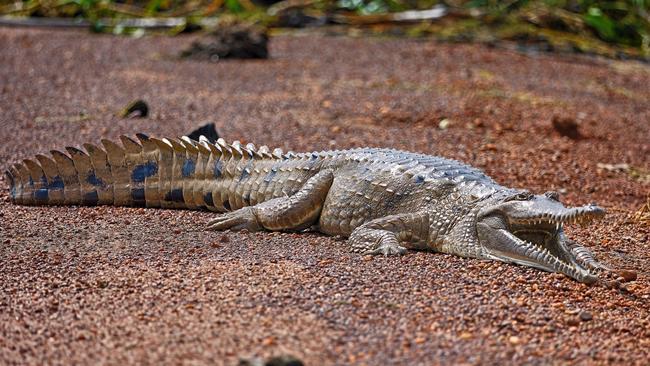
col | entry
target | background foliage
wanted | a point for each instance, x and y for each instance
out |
(624, 23)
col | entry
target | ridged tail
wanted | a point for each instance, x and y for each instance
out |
(168, 173)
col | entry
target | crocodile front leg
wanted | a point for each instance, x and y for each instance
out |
(383, 235)
(296, 212)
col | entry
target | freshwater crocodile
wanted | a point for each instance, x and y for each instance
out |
(385, 201)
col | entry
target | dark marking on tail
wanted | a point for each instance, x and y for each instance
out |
(188, 168)
(175, 195)
(90, 198)
(246, 173)
(41, 195)
(12, 185)
(218, 169)
(94, 180)
(56, 183)
(269, 177)
(208, 199)
(137, 196)
(142, 171)
(13, 193)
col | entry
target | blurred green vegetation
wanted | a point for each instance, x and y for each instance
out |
(584, 25)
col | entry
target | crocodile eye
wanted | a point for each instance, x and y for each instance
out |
(521, 196)
(552, 195)
(525, 196)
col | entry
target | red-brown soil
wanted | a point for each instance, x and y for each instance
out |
(123, 285)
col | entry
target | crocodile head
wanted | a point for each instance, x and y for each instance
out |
(528, 230)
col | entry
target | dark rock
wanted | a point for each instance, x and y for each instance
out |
(208, 130)
(250, 362)
(137, 108)
(240, 41)
(566, 126)
(285, 360)
(627, 275)
(586, 316)
(296, 18)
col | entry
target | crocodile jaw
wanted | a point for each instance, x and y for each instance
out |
(528, 231)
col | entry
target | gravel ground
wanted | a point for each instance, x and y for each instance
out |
(113, 285)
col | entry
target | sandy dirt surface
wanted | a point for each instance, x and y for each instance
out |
(112, 285)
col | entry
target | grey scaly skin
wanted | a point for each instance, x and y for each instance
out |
(386, 201)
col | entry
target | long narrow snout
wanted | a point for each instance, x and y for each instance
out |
(530, 232)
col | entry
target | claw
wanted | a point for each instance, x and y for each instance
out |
(237, 220)
(387, 248)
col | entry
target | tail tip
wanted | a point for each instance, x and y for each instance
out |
(12, 185)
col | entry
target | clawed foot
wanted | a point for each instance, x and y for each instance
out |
(242, 219)
(385, 244)
(375, 241)
(387, 248)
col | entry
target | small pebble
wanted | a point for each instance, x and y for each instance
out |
(269, 341)
(628, 275)
(566, 126)
(284, 360)
(586, 316)
(573, 322)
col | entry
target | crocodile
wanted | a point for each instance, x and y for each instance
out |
(384, 201)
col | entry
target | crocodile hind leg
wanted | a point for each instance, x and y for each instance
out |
(296, 212)
(384, 235)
